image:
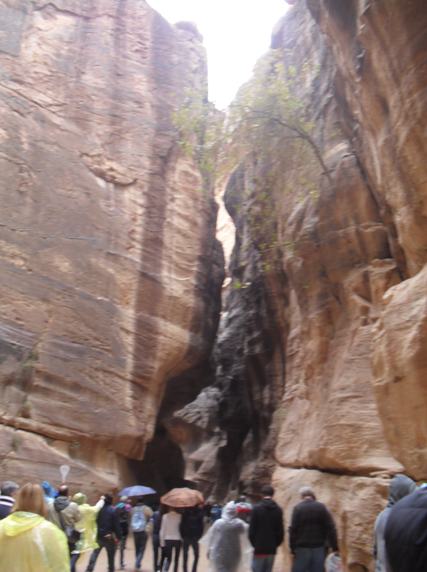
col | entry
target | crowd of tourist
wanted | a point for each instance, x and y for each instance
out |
(43, 530)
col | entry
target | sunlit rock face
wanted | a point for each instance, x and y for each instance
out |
(340, 326)
(399, 363)
(357, 500)
(380, 50)
(354, 402)
(111, 273)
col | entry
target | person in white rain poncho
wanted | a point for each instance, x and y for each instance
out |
(228, 544)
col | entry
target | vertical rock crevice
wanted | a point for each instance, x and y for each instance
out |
(302, 365)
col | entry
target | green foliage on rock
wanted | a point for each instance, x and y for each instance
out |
(270, 120)
(269, 128)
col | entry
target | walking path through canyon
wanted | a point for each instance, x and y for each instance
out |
(147, 561)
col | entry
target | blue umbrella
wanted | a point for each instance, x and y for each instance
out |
(136, 491)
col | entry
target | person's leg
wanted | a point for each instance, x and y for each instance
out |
(195, 545)
(141, 548)
(185, 547)
(94, 556)
(156, 547)
(302, 560)
(257, 563)
(110, 547)
(167, 551)
(317, 563)
(162, 558)
(177, 546)
(137, 542)
(73, 560)
(268, 562)
(122, 551)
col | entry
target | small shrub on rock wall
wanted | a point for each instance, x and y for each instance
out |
(269, 121)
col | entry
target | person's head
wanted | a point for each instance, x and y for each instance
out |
(267, 491)
(63, 491)
(108, 498)
(307, 492)
(124, 499)
(9, 489)
(30, 499)
(80, 498)
(229, 511)
(400, 486)
(140, 500)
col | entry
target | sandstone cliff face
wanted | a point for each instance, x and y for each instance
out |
(340, 319)
(111, 273)
(380, 50)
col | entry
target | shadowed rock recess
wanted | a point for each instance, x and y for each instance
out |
(111, 275)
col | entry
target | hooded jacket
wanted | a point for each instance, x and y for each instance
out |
(87, 525)
(400, 486)
(406, 534)
(31, 544)
(69, 511)
(266, 530)
(227, 543)
(108, 521)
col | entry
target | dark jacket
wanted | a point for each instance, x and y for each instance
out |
(6, 504)
(108, 522)
(311, 526)
(406, 534)
(400, 486)
(266, 530)
(157, 523)
(192, 523)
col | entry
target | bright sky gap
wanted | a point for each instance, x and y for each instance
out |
(236, 34)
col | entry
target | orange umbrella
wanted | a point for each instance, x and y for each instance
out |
(181, 498)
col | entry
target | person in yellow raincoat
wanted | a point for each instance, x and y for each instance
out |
(87, 526)
(28, 542)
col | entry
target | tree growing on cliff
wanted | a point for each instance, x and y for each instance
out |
(271, 118)
(270, 121)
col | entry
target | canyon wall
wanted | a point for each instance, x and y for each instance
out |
(111, 272)
(321, 352)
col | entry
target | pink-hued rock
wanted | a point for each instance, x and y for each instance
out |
(399, 363)
(380, 51)
(111, 273)
(354, 502)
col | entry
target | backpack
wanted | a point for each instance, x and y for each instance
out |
(123, 513)
(138, 520)
(193, 528)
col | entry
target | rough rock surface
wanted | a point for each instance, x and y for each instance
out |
(399, 363)
(381, 54)
(352, 501)
(111, 273)
(341, 302)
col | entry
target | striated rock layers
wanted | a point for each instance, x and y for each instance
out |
(328, 301)
(111, 273)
